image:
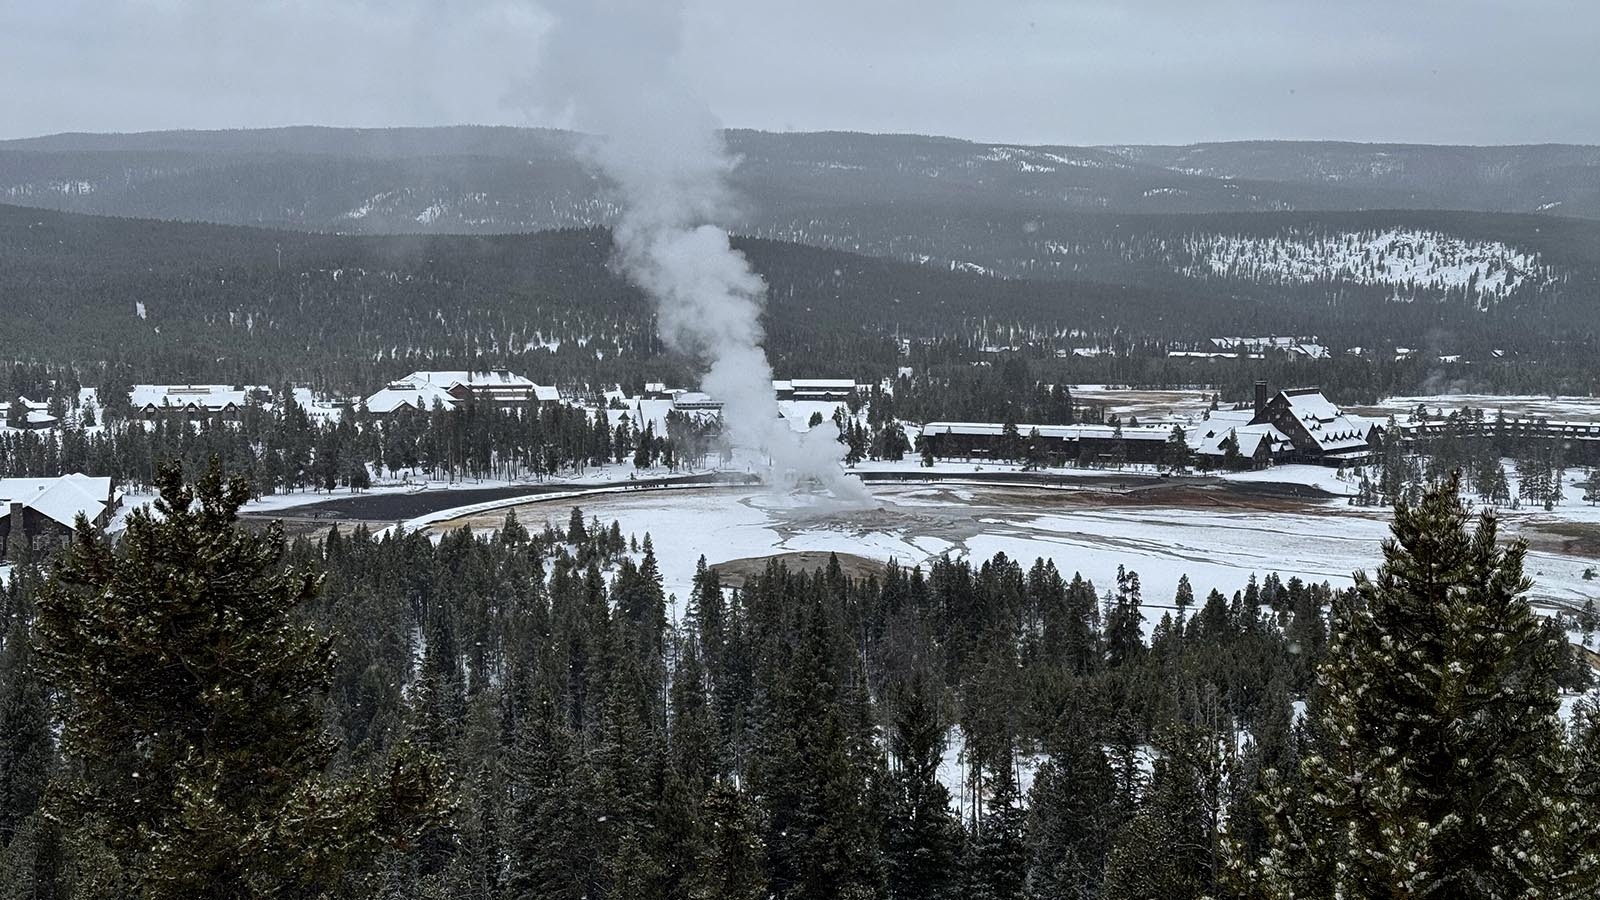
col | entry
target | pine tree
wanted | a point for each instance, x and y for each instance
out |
(193, 700)
(820, 837)
(729, 864)
(1583, 831)
(549, 832)
(1176, 451)
(1171, 848)
(922, 839)
(1443, 770)
(997, 863)
(33, 865)
(1124, 622)
(1185, 595)
(1071, 814)
(26, 750)
(1010, 448)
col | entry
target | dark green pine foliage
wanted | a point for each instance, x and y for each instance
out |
(30, 853)
(1124, 622)
(729, 864)
(27, 752)
(695, 748)
(1072, 813)
(923, 840)
(630, 861)
(1172, 847)
(1583, 842)
(192, 695)
(820, 837)
(1442, 771)
(550, 832)
(997, 858)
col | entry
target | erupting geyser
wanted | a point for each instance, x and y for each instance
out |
(612, 66)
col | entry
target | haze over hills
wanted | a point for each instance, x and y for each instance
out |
(1355, 243)
(482, 179)
(186, 300)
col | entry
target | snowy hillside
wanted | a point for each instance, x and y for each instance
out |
(1036, 159)
(1416, 263)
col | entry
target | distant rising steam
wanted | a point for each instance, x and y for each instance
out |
(612, 65)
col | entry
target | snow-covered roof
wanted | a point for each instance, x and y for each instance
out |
(1330, 428)
(815, 384)
(212, 397)
(1209, 354)
(1256, 343)
(495, 378)
(35, 415)
(641, 412)
(1308, 403)
(59, 499)
(1207, 441)
(1057, 432)
(420, 390)
(695, 400)
(1307, 347)
(419, 396)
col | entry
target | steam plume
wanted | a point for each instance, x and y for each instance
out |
(612, 66)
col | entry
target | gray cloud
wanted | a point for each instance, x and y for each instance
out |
(1060, 71)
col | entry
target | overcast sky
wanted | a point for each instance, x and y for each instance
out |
(1044, 71)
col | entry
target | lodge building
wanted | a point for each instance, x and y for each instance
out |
(42, 512)
(422, 391)
(1058, 444)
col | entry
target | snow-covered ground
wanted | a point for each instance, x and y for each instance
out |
(1402, 258)
(954, 770)
(1217, 545)
(1124, 402)
(1555, 409)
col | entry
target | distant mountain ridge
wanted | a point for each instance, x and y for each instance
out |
(1562, 179)
(472, 179)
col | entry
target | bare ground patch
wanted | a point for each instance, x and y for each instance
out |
(1568, 538)
(735, 572)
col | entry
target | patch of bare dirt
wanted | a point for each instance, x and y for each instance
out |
(735, 571)
(1569, 538)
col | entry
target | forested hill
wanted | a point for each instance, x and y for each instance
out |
(186, 300)
(477, 180)
(189, 301)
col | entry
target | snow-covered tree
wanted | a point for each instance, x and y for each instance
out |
(1442, 770)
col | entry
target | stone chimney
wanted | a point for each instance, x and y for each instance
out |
(17, 535)
(1261, 399)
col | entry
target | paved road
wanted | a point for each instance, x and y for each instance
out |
(395, 507)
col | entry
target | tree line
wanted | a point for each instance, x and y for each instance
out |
(202, 710)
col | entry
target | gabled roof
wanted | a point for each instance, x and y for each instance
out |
(420, 396)
(1328, 426)
(1207, 441)
(58, 499)
(429, 386)
(33, 416)
(640, 412)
